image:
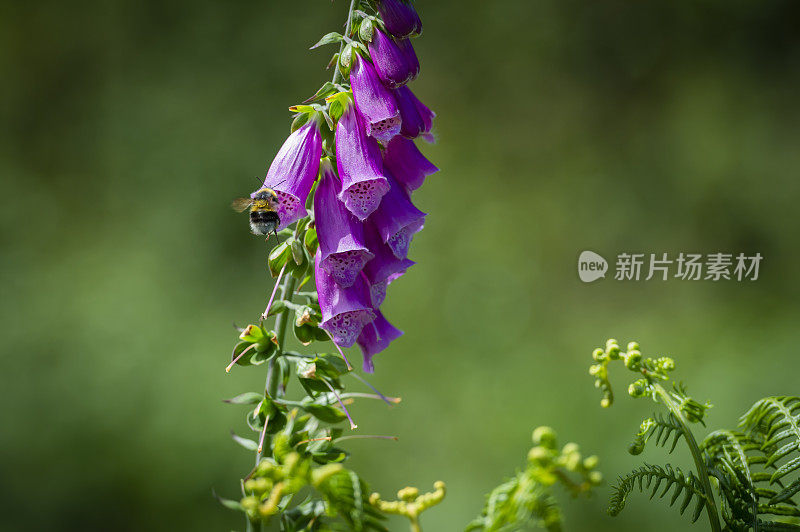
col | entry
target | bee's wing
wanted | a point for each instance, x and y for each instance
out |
(240, 204)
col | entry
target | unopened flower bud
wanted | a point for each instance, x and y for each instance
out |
(599, 355)
(595, 477)
(591, 462)
(633, 346)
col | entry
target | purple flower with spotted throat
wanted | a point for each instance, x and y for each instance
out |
(358, 159)
(374, 101)
(292, 172)
(397, 220)
(345, 311)
(384, 267)
(375, 337)
(400, 17)
(395, 62)
(340, 235)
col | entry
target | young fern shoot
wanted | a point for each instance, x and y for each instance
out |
(752, 471)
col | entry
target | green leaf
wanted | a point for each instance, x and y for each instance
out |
(326, 413)
(323, 92)
(247, 398)
(228, 503)
(278, 257)
(299, 121)
(329, 38)
(310, 240)
(247, 443)
(297, 252)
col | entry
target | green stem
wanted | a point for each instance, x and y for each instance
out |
(337, 72)
(699, 463)
(415, 524)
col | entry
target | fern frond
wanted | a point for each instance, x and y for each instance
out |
(518, 503)
(776, 420)
(347, 496)
(652, 475)
(664, 429)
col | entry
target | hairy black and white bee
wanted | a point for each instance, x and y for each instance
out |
(263, 216)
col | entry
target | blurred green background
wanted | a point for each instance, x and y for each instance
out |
(564, 125)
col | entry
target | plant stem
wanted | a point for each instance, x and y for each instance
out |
(337, 72)
(702, 472)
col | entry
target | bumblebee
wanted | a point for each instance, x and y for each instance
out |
(263, 216)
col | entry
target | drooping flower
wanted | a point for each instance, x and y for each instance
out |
(418, 115)
(374, 101)
(393, 62)
(399, 17)
(345, 311)
(416, 119)
(375, 337)
(293, 171)
(411, 124)
(358, 159)
(340, 235)
(410, 56)
(384, 267)
(397, 220)
(405, 162)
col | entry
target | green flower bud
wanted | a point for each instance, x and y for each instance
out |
(633, 346)
(595, 477)
(591, 462)
(544, 436)
(612, 349)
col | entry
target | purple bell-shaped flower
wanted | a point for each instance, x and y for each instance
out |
(375, 337)
(358, 159)
(345, 311)
(393, 61)
(405, 162)
(374, 101)
(400, 17)
(384, 267)
(293, 171)
(340, 235)
(397, 220)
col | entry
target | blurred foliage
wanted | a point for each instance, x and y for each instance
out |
(618, 126)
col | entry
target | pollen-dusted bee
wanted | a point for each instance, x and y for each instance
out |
(263, 216)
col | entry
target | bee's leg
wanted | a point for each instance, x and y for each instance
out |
(276, 235)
